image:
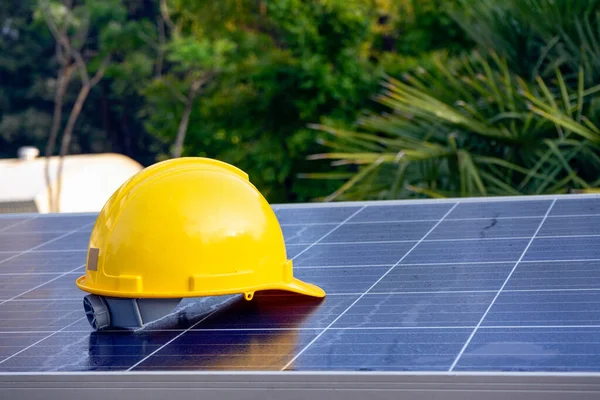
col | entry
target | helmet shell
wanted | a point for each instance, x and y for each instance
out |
(188, 227)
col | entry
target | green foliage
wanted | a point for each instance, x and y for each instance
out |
(490, 142)
(293, 62)
(189, 53)
(480, 97)
(28, 72)
(535, 36)
(23, 90)
(514, 117)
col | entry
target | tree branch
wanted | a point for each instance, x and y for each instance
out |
(85, 77)
(164, 12)
(81, 35)
(66, 139)
(62, 38)
(183, 124)
(59, 36)
(100, 71)
(63, 82)
(175, 92)
(75, 111)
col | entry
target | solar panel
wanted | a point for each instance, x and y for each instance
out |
(488, 291)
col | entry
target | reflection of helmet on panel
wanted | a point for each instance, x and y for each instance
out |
(188, 227)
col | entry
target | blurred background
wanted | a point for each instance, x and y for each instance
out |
(319, 100)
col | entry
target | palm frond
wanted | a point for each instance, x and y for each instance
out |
(482, 131)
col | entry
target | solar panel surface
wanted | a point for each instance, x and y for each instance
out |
(434, 286)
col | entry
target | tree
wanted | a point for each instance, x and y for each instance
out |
(237, 80)
(73, 28)
(194, 60)
(293, 63)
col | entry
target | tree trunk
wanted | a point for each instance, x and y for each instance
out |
(75, 111)
(185, 118)
(66, 139)
(63, 83)
(178, 148)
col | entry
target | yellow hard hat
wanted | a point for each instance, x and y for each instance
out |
(188, 227)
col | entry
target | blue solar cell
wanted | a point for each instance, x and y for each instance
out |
(294, 249)
(543, 275)
(576, 206)
(61, 287)
(548, 308)
(43, 262)
(353, 254)
(568, 226)
(12, 342)
(485, 228)
(269, 311)
(24, 241)
(501, 209)
(467, 251)
(575, 248)
(76, 351)
(383, 231)
(534, 350)
(402, 212)
(7, 223)
(314, 215)
(342, 280)
(445, 277)
(416, 310)
(304, 233)
(229, 350)
(53, 224)
(73, 241)
(383, 350)
(13, 285)
(6, 255)
(42, 315)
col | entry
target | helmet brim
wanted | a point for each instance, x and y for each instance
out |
(304, 288)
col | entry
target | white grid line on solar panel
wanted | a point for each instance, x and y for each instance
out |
(42, 284)
(488, 264)
(448, 263)
(312, 244)
(19, 233)
(481, 263)
(293, 329)
(328, 233)
(380, 293)
(31, 273)
(369, 289)
(177, 337)
(45, 251)
(17, 224)
(407, 221)
(431, 240)
(47, 215)
(356, 242)
(45, 243)
(391, 221)
(40, 341)
(470, 338)
(449, 239)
